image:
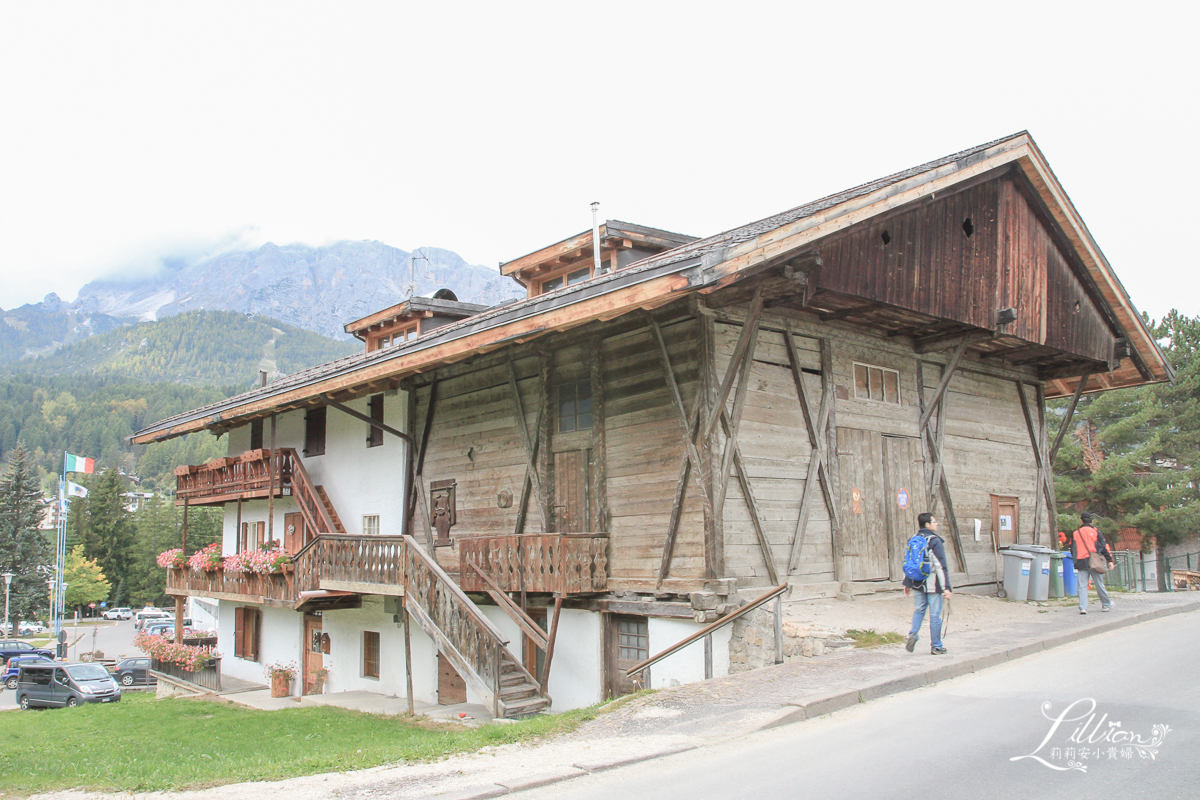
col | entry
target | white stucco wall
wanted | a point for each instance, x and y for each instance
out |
(345, 659)
(359, 480)
(282, 632)
(686, 666)
(577, 672)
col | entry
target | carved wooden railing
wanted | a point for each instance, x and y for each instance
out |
(278, 586)
(247, 475)
(561, 563)
(316, 515)
(373, 560)
(208, 676)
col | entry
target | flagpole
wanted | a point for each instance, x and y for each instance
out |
(60, 551)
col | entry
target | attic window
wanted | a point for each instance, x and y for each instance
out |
(968, 228)
(887, 238)
(569, 279)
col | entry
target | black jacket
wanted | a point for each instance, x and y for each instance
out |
(938, 585)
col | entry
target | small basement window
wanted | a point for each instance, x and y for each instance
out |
(876, 383)
(575, 407)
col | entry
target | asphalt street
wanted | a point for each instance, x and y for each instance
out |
(992, 734)
(114, 639)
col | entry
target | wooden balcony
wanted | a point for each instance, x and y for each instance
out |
(559, 563)
(252, 474)
(279, 589)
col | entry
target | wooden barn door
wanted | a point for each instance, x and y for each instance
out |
(864, 519)
(904, 479)
(452, 689)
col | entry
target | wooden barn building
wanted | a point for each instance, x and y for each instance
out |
(555, 488)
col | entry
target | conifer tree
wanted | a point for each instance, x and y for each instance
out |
(23, 548)
(109, 532)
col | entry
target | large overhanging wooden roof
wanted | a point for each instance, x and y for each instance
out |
(705, 266)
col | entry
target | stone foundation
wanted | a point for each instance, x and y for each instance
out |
(753, 642)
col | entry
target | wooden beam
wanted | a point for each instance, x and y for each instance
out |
(945, 341)
(817, 461)
(685, 468)
(751, 505)
(506, 604)
(1066, 423)
(1042, 487)
(847, 312)
(731, 425)
(749, 333)
(941, 390)
(545, 676)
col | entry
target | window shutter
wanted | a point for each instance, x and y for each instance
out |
(375, 435)
(239, 632)
(256, 633)
(314, 432)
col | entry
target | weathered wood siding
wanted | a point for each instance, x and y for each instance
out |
(644, 442)
(928, 262)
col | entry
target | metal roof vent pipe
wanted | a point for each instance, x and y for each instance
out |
(597, 269)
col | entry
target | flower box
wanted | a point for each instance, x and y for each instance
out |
(281, 685)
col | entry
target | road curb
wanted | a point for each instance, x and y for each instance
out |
(836, 701)
(565, 774)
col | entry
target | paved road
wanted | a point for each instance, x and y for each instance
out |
(114, 639)
(958, 738)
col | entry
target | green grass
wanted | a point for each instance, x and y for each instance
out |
(872, 638)
(143, 744)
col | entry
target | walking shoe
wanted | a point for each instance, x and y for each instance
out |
(937, 651)
(911, 643)
(1107, 607)
(1082, 611)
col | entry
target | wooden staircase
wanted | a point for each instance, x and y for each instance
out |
(520, 696)
(338, 527)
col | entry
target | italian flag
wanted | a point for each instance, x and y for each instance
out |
(80, 464)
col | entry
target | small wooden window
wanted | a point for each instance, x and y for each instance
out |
(375, 435)
(370, 654)
(256, 434)
(370, 525)
(247, 627)
(575, 407)
(314, 432)
(568, 279)
(876, 383)
(633, 640)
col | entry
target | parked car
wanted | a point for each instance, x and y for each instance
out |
(144, 616)
(134, 671)
(164, 627)
(27, 628)
(54, 685)
(9, 676)
(18, 648)
(119, 613)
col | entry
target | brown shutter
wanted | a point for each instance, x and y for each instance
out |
(260, 536)
(256, 636)
(239, 632)
(375, 435)
(314, 432)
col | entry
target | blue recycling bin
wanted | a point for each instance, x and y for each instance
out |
(1069, 578)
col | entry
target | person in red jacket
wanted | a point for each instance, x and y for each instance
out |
(1084, 542)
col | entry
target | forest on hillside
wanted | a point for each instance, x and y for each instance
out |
(197, 347)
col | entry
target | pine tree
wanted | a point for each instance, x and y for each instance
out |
(23, 548)
(109, 532)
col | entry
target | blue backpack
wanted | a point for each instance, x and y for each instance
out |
(918, 560)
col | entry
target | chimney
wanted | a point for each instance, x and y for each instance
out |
(596, 269)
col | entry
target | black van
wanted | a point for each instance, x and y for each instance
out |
(53, 685)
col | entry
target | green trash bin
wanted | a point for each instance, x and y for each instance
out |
(1056, 575)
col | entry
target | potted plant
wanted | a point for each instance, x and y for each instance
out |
(207, 560)
(319, 679)
(281, 675)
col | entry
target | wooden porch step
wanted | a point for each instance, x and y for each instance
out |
(524, 708)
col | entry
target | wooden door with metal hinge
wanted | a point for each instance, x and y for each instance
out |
(313, 660)
(864, 519)
(904, 500)
(293, 533)
(626, 643)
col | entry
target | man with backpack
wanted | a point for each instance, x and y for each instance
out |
(1086, 543)
(925, 578)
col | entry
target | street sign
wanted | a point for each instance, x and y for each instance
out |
(91, 605)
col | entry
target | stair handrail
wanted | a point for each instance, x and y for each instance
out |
(514, 611)
(706, 630)
(300, 479)
(485, 623)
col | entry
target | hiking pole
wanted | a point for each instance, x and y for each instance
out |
(945, 617)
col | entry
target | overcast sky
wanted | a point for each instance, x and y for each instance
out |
(136, 132)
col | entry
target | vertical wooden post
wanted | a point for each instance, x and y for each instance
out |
(714, 528)
(779, 629)
(408, 681)
(237, 541)
(180, 612)
(558, 601)
(599, 472)
(546, 497)
(708, 657)
(271, 486)
(835, 477)
(1047, 467)
(183, 534)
